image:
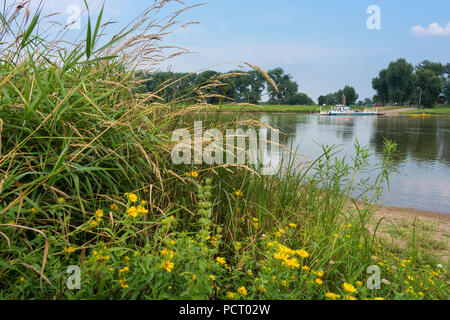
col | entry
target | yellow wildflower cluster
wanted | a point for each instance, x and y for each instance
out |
(286, 255)
(193, 174)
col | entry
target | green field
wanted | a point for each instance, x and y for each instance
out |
(438, 110)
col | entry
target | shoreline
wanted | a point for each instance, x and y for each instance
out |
(387, 111)
(409, 212)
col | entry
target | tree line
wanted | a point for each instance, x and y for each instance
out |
(403, 84)
(347, 96)
(400, 83)
(233, 86)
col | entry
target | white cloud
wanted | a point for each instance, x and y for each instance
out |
(433, 29)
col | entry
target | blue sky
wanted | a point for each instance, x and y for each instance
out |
(323, 44)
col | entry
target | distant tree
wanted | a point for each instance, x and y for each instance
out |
(400, 81)
(431, 86)
(436, 67)
(300, 99)
(367, 101)
(322, 100)
(212, 92)
(286, 87)
(381, 86)
(350, 95)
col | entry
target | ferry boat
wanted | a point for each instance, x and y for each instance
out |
(341, 110)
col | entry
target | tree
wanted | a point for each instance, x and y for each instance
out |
(431, 86)
(322, 100)
(400, 81)
(381, 86)
(436, 67)
(300, 99)
(350, 95)
(286, 87)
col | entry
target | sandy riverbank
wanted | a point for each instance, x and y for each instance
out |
(401, 226)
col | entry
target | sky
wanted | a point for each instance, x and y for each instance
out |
(323, 44)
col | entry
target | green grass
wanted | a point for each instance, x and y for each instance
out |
(87, 180)
(267, 108)
(437, 110)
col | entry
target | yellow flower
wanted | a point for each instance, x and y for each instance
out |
(305, 268)
(284, 283)
(348, 287)
(124, 270)
(302, 253)
(132, 211)
(22, 279)
(281, 256)
(168, 266)
(379, 298)
(114, 207)
(212, 277)
(359, 283)
(94, 223)
(193, 276)
(133, 198)
(123, 283)
(231, 295)
(292, 263)
(69, 250)
(270, 244)
(349, 298)
(255, 220)
(221, 260)
(61, 200)
(242, 291)
(319, 281)
(332, 296)
(239, 193)
(34, 210)
(99, 213)
(262, 290)
(194, 174)
(320, 274)
(188, 174)
(292, 225)
(277, 234)
(141, 210)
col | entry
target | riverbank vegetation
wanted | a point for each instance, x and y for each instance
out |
(437, 110)
(266, 108)
(87, 181)
(402, 83)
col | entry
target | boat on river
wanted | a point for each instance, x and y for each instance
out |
(341, 110)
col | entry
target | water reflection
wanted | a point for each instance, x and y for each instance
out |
(422, 175)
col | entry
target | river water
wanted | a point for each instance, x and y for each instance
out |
(421, 178)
